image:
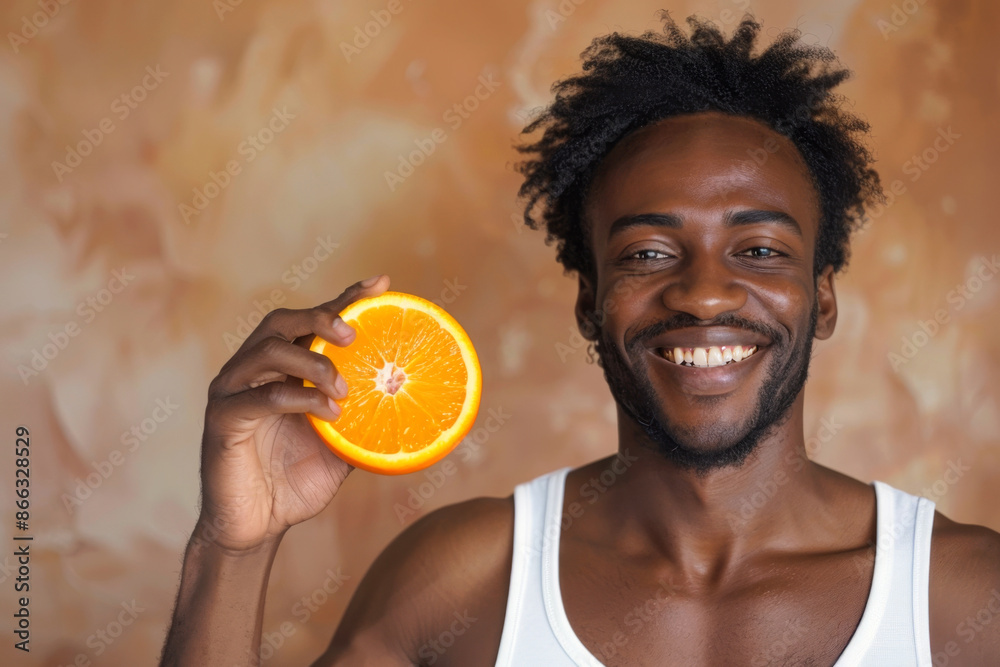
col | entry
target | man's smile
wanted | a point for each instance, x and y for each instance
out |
(704, 379)
(707, 347)
(708, 360)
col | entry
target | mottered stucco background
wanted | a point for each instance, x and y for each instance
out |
(129, 271)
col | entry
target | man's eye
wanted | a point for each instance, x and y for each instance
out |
(762, 252)
(646, 254)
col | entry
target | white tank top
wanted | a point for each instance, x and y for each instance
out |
(894, 628)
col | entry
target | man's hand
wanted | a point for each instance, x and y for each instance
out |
(263, 469)
(263, 466)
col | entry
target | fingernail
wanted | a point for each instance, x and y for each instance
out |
(333, 406)
(342, 328)
(340, 384)
(368, 282)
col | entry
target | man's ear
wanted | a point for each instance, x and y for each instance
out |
(826, 298)
(586, 315)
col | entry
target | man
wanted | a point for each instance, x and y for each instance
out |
(704, 197)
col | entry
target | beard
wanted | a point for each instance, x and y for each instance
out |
(632, 390)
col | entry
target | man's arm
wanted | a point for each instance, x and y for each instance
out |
(263, 469)
(965, 593)
(220, 604)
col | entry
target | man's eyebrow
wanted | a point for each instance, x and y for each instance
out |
(645, 219)
(733, 219)
(752, 216)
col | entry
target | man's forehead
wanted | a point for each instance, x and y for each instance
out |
(702, 159)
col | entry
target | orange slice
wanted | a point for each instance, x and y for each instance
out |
(413, 380)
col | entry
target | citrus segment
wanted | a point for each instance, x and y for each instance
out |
(414, 385)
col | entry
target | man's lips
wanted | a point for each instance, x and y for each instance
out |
(696, 379)
(702, 360)
(706, 337)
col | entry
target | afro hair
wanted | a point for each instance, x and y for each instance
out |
(629, 82)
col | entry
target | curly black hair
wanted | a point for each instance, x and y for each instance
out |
(629, 82)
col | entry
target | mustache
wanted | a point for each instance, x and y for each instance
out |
(686, 320)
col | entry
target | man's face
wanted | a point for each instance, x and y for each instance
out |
(704, 255)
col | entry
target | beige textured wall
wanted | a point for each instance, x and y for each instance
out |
(448, 229)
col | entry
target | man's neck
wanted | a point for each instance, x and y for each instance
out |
(705, 524)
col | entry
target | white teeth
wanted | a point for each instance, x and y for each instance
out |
(708, 357)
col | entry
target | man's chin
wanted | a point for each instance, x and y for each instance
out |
(706, 436)
(704, 446)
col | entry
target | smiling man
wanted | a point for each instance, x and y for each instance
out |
(704, 197)
(708, 272)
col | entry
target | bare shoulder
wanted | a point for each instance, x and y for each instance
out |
(963, 557)
(436, 595)
(965, 592)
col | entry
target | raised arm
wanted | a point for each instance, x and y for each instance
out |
(263, 469)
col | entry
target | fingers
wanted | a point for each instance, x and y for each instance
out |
(280, 398)
(323, 320)
(274, 359)
(289, 325)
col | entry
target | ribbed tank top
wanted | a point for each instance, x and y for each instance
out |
(894, 628)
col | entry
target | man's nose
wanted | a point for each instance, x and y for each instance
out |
(704, 288)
